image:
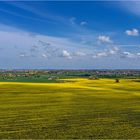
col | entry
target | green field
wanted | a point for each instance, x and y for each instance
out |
(79, 109)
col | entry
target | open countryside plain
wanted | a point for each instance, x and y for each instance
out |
(79, 108)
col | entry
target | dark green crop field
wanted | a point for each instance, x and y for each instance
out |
(82, 109)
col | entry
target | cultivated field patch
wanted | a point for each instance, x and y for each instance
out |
(80, 109)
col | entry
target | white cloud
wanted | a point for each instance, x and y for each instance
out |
(113, 51)
(83, 23)
(104, 39)
(44, 55)
(22, 55)
(102, 54)
(33, 48)
(66, 54)
(42, 16)
(72, 20)
(130, 55)
(80, 54)
(107, 52)
(133, 32)
(132, 6)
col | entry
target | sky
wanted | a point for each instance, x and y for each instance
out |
(70, 35)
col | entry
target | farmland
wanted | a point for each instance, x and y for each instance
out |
(74, 109)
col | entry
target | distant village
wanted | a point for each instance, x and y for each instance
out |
(55, 74)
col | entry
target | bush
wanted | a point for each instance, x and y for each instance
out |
(117, 81)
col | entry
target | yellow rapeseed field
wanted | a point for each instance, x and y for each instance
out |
(75, 108)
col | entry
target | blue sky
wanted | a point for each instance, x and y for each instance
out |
(70, 35)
